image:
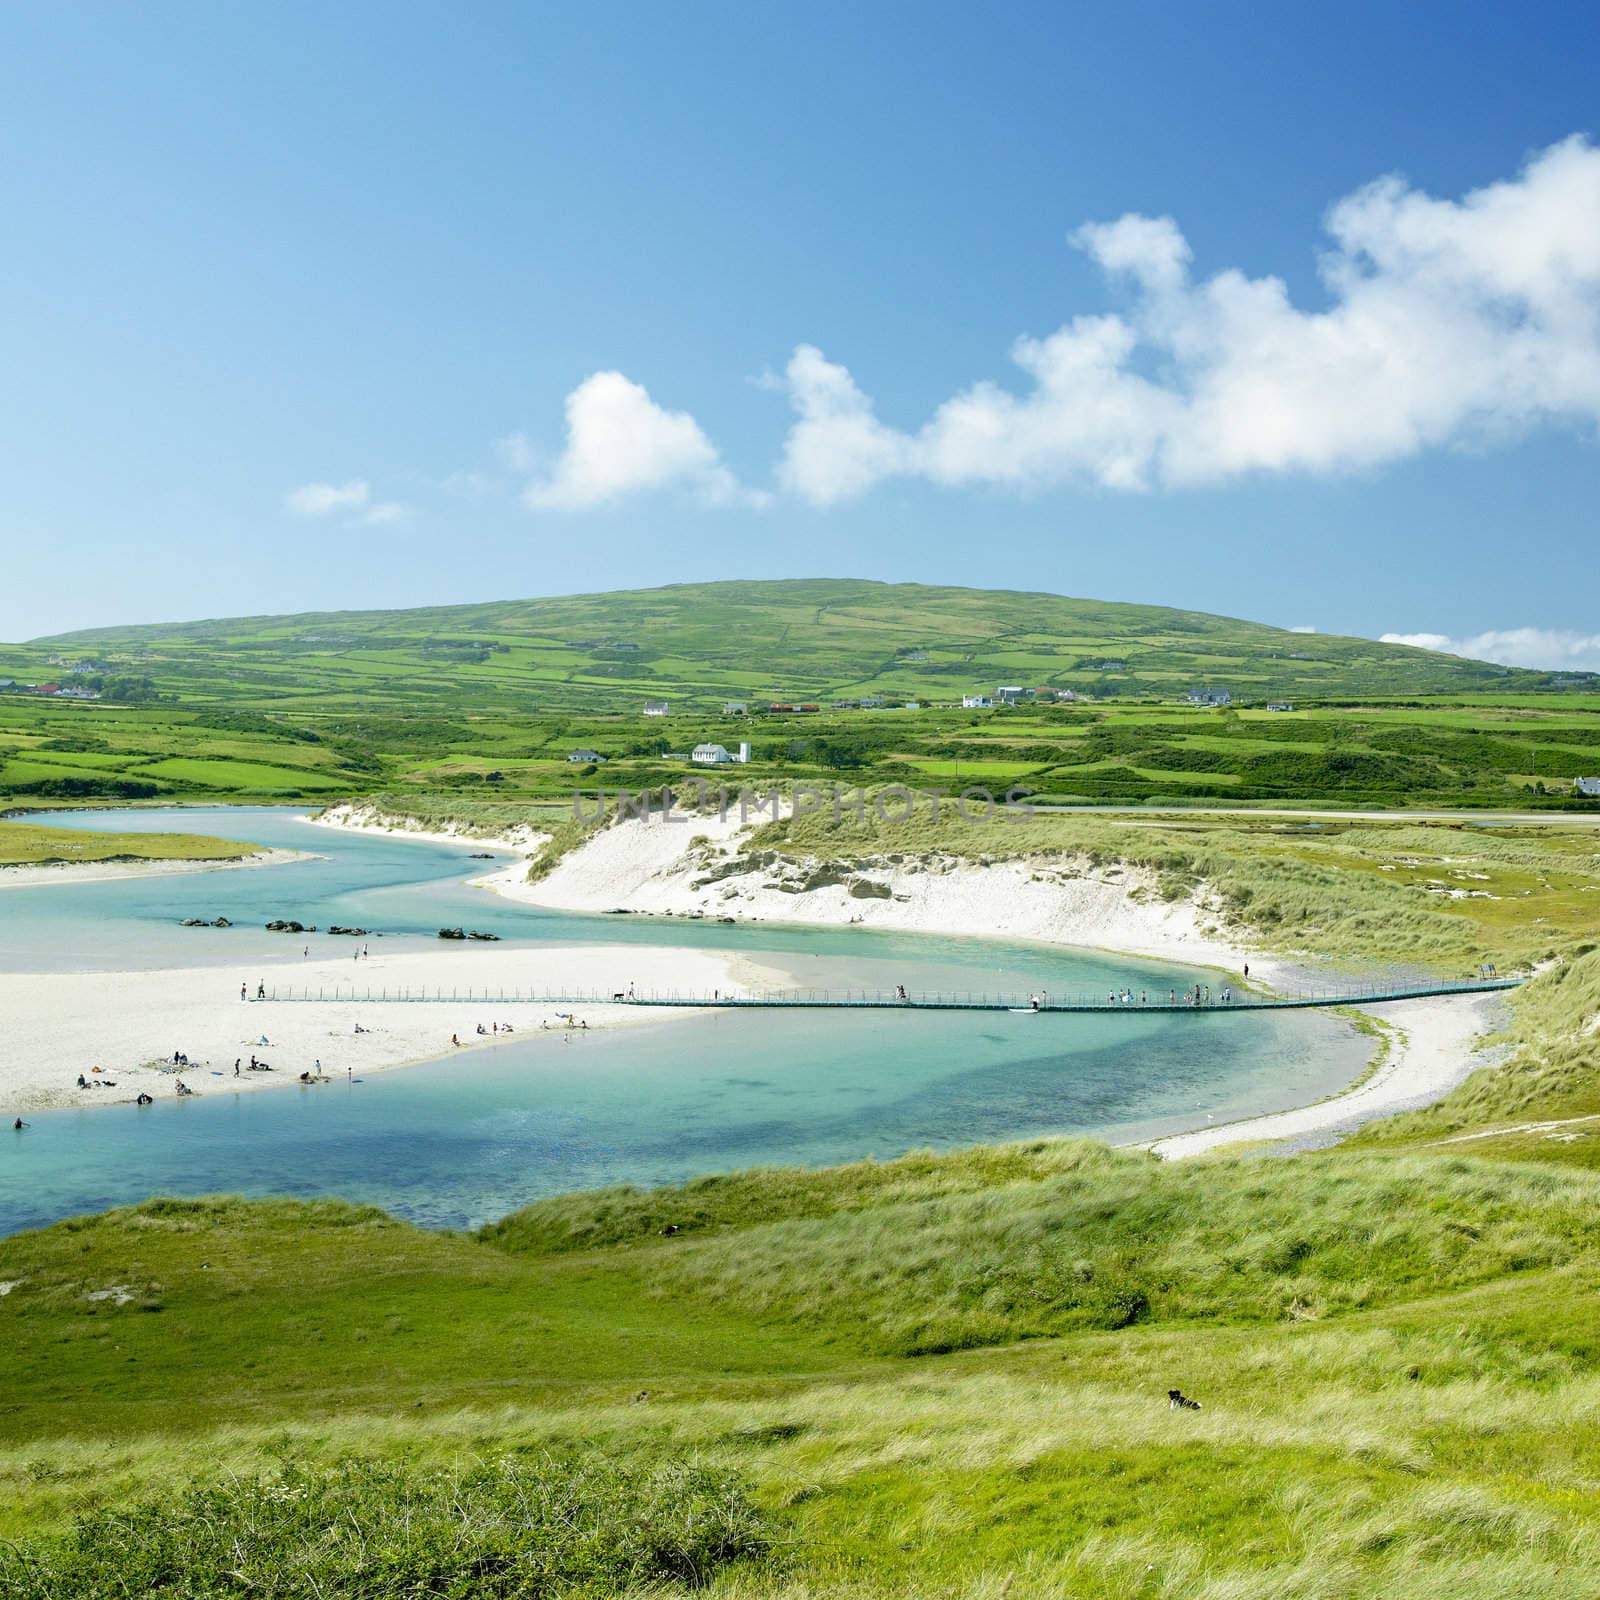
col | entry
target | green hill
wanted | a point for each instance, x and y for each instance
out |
(792, 640)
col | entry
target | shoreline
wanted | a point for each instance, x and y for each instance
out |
(129, 1023)
(354, 817)
(680, 870)
(31, 875)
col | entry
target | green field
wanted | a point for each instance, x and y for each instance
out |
(943, 1376)
(24, 844)
(491, 699)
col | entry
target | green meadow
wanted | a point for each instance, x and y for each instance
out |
(25, 844)
(940, 1376)
(493, 698)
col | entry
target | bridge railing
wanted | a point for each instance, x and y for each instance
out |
(1219, 997)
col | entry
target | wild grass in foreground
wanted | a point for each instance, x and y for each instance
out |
(501, 1530)
(1407, 1437)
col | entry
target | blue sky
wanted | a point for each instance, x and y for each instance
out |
(363, 306)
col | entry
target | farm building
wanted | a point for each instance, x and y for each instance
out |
(585, 757)
(1210, 697)
(716, 755)
(656, 708)
(1588, 786)
(976, 702)
(736, 708)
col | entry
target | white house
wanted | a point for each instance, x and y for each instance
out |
(716, 755)
(1280, 705)
(585, 757)
(656, 708)
(1066, 694)
(1210, 697)
(1589, 786)
(976, 702)
(736, 708)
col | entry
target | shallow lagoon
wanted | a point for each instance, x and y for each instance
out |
(461, 1141)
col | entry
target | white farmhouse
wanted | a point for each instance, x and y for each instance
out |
(977, 702)
(656, 708)
(716, 755)
(1588, 786)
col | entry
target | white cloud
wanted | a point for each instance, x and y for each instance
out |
(1447, 322)
(838, 448)
(351, 501)
(323, 499)
(516, 453)
(621, 443)
(1546, 649)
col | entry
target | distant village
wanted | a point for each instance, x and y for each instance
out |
(60, 691)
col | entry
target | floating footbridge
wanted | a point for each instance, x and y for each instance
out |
(1213, 997)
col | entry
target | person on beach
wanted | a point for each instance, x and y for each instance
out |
(236, 1064)
(1247, 971)
(145, 1099)
(261, 990)
(243, 992)
(19, 1123)
(454, 1040)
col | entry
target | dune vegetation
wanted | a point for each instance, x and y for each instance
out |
(26, 844)
(941, 1376)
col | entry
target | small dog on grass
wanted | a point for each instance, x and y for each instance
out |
(1177, 1400)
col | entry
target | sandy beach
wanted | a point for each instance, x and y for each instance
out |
(1436, 1046)
(59, 1025)
(68, 872)
(679, 869)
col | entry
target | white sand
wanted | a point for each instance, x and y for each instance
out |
(657, 867)
(61, 1024)
(669, 868)
(360, 818)
(16, 877)
(1434, 1050)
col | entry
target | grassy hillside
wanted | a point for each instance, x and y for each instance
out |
(805, 639)
(1394, 1356)
(491, 700)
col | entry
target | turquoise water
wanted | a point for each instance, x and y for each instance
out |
(461, 1141)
